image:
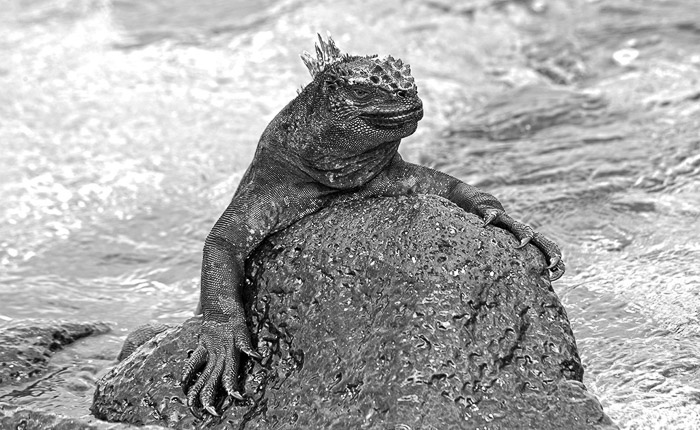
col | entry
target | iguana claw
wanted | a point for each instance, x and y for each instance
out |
(195, 412)
(524, 241)
(490, 217)
(555, 260)
(252, 353)
(557, 271)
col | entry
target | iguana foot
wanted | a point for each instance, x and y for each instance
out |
(220, 345)
(525, 234)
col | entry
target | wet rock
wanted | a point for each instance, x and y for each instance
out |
(144, 388)
(45, 420)
(383, 313)
(27, 346)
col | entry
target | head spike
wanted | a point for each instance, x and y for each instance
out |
(319, 52)
(309, 62)
(327, 53)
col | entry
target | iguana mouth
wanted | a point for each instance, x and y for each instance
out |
(393, 120)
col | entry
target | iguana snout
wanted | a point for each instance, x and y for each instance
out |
(389, 119)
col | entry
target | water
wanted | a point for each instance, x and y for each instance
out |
(126, 126)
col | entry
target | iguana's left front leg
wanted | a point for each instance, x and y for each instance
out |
(401, 177)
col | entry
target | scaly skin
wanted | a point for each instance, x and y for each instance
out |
(338, 137)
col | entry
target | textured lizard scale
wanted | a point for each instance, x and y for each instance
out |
(338, 139)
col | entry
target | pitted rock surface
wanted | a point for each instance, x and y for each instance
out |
(379, 313)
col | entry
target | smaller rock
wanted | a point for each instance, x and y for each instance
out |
(144, 387)
(26, 346)
(45, 420)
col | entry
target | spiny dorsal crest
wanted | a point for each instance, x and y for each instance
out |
(326, 54)
(389, 73)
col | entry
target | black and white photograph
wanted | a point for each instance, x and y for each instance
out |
(361, 214)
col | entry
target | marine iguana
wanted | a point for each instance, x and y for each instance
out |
(338, 138)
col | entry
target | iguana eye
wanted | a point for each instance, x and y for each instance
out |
(360, 93)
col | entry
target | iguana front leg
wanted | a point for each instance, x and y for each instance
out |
(403, 178)
(258, 209)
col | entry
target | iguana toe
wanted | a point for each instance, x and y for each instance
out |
(194, 391)
(239, 330)
(196, 360)
(228, 379)
(206, 396)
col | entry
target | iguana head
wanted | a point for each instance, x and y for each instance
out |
(345, 126)
(372, 98)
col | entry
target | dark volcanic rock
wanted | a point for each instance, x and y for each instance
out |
(143, 389)
(384, 313)
(29, 420)
(27, 346)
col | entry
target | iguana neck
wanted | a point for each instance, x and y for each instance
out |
(304, 140)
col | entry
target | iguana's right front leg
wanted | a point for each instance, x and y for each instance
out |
(257, 210)
(224, 332)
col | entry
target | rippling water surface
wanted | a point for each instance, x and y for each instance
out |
(125, 127)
